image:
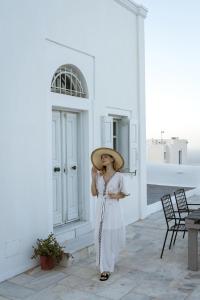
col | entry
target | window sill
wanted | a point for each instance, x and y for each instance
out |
(134, 173)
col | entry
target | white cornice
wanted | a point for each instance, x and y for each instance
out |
(133, 7)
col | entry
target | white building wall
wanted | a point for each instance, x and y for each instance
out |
(167, 150)
(155, 153)
(173, 150)
(38, 37)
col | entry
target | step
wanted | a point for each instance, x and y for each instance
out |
(81, 247)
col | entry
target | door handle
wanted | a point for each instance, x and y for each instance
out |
(73, 168)
(56, 169)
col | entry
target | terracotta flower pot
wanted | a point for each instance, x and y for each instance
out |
(47, 262)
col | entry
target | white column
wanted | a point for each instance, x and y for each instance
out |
(141, 113)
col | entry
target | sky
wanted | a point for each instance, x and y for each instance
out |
(172, 66)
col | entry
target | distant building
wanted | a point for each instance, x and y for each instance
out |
(173, 151)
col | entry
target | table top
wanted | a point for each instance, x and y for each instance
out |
(194, 215)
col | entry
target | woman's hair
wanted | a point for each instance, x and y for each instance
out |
(102, 171)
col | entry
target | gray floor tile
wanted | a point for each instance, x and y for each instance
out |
(3, 298)
(14, 291)
(135, 296)
(39, 282)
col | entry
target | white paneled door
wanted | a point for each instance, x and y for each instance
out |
(65, 167)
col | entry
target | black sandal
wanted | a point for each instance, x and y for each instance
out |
(104, 276)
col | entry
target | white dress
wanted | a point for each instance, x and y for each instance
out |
(109, 230)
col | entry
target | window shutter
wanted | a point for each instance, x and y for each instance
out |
(133, 146)
(124, 142)
(107, 131)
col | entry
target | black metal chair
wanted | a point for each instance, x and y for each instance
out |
(182, 203)
(174, 223)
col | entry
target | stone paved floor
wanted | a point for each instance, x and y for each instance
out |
(140, 273)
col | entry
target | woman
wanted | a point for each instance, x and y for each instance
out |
(108, 186)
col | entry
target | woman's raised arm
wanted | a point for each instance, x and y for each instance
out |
(93, 185)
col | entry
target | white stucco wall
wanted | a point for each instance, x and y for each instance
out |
(155, 153)
(36, 38)
(174, 149)
(171, 147)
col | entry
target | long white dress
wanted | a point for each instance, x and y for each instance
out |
(109, 230)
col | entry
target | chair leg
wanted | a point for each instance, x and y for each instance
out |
(183, 234)
(176, 233)
(164, 244)
(171, 239)
(175, 237)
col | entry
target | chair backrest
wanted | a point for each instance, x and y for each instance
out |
(168, 209)
(181, 201)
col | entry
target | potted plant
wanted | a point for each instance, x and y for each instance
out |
(49, 251)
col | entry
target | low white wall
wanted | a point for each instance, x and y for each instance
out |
(173, 175)
(193, 192)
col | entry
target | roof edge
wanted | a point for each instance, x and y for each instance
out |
(138, 10)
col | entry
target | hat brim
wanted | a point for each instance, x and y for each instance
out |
(97, 162)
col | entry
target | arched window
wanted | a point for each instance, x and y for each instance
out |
(69, 80)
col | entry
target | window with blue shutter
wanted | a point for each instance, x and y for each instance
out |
(120, 133)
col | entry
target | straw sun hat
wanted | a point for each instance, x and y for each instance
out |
(97, 154)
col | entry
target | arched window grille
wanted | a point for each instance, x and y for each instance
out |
(69, 80)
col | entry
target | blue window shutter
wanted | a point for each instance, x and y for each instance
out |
(133, 145)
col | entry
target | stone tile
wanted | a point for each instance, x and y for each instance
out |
(78, 295)
(13, 291)
(160, 289)
(39, 282)
(3, 298)
(51, 293)
(33, 271)
(85, 272)
(70, 269)
(87, 261)
(60, 292)
(117, 289)
(177, 295)
(93, 285)
(73, 281)
(21, 279)
(195, 295)
(183, 285)
(135, 296)
(171, 296)
(193, 277)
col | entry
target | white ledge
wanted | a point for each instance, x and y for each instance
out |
(138, 10)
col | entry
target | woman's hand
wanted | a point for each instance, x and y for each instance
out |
(115, 196)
